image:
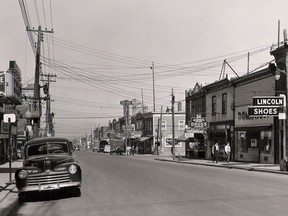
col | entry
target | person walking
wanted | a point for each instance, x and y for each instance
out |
(227, 151)
(215, 152)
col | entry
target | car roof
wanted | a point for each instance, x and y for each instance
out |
(47, 139)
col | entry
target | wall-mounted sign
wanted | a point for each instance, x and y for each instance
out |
(199, 122)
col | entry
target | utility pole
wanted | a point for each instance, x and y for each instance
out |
(36, 110)
(281, 57)
(173, 125)
(46, 90)
(153, 76)
(126, 104)
(160, 130)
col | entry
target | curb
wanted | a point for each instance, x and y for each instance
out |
(8, 199)
(225, 167)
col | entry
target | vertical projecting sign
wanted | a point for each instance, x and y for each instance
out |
(2, 83)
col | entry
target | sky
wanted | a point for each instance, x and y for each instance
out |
(102, 50)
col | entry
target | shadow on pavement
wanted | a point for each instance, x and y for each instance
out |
(6, 169)
(47, 196)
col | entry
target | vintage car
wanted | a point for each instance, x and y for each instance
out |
(49, 164)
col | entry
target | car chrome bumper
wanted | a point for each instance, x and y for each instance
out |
(49, 187)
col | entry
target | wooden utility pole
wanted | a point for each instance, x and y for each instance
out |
(153, 85)
(46, 90)
(173, 125)
(126, 104)
(36, 110)
(160, 130)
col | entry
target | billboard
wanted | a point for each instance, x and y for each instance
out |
(13, 83)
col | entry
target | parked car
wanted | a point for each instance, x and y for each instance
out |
(49, 164)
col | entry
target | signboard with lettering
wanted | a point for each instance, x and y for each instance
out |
(169, 141)
(243, 119)
(199, 122)
(267, 101)
(260, 111)
(2, 83)
(266, 106)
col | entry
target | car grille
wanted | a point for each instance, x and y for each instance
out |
(52, 178)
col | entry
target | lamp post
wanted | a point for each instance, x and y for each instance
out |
(281, 57)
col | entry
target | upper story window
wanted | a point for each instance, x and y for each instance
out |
(163, 125)
(214, 107)
(181, 124)
(224, 103)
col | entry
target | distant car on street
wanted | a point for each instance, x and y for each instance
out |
(49, 164)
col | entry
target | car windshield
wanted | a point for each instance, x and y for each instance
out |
(47, 148)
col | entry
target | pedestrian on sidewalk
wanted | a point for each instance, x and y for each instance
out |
(215, 152)
(227, 151)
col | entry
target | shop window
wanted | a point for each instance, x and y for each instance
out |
(242, 141)
(265, 142)
(181, 124)
(163, 125)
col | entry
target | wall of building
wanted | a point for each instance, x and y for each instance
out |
(220, 124)
(254, 136)
(166, 131)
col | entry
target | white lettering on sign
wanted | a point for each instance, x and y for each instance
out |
(268, 101)
(263, 110)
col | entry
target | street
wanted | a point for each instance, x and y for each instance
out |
(139, 185)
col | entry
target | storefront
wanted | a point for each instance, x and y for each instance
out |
(220, 132)
(194, 143)
(143, 145)
(253, 137)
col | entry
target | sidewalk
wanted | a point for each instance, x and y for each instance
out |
(271, 168)
(8, 191)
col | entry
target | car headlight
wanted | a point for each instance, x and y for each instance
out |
(72, 169)
(22, 174)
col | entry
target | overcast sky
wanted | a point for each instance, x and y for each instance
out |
(102, 50)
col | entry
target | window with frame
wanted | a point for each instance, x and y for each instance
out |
(163, 125)
(181, 124)
(224, 103)
(214, 105)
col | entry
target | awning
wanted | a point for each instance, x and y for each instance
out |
(142, 139)
(182, 138)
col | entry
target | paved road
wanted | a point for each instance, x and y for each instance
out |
(137, 185)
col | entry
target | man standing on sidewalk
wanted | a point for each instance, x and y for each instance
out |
(227, 151)
(215, 152)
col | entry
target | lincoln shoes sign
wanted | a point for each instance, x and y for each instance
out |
(266, 105)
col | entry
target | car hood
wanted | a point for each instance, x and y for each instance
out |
(48, 162)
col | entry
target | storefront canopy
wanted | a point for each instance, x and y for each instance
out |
(182, 138)
(142, 139)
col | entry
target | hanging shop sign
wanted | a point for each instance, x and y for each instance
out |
(266, 106)
(199, 122)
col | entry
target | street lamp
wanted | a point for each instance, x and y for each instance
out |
(281, 57)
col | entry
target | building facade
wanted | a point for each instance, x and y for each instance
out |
(252, 139)
(254, 136)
